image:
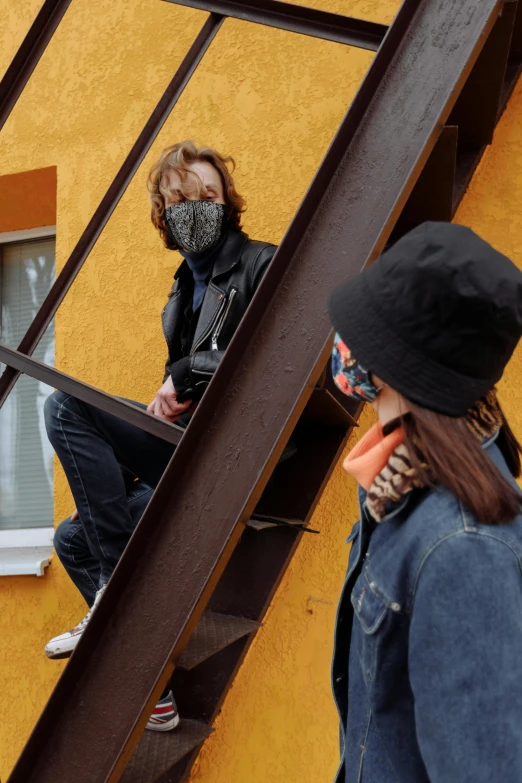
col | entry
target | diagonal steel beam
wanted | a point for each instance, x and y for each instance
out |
(216, 476)
(106, 402)
(28, 55)
(298, 19)
(112, 197)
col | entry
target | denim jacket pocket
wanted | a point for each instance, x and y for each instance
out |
(370, 611)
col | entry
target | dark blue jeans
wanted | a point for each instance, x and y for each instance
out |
(102, 457)
(73, 549)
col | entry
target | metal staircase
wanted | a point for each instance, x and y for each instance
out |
(191, 589)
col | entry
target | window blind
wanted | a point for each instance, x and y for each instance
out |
(26, 457)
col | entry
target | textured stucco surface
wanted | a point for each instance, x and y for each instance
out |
(81, 111)
(493, 208)
(15, 21)
(273, 100)
(288, 730)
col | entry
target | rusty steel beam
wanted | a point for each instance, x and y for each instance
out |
(90, 394)
(100, 705)
(297, 19)
(112, 197)
(482, 103)
(28, 55)
(476, 111)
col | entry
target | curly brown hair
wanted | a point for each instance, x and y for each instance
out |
(178, 158)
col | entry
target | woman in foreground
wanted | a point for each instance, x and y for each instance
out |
(427, 669)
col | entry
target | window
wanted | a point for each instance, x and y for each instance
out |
(27, 271)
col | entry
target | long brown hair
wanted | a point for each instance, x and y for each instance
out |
(443, 450)
(178, 158)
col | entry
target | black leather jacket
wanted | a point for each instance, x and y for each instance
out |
(236, 274)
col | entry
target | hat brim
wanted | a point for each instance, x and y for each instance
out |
(413, 374)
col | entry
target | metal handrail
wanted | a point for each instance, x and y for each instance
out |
(298, 19)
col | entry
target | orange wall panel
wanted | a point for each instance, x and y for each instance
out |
(28, 199)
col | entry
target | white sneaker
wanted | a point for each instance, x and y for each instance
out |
(63, 645)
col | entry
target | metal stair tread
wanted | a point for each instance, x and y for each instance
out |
(213, 633)
(268, 522)
(157, 751)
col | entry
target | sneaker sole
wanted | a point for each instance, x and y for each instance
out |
(164, 726)
(56, 656)
(63, 649)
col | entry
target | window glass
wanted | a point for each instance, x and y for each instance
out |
(26, 457)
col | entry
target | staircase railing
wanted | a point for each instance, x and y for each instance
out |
(266, 380)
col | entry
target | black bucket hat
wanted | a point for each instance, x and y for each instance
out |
(436, 317)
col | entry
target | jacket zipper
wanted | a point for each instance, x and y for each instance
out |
(209, 330)
(221, 321)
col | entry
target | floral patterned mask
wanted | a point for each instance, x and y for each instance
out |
(196, 226)
(350, 377)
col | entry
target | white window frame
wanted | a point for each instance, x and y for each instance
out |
(26, 550)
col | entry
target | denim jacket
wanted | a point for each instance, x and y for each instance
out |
(427, 668)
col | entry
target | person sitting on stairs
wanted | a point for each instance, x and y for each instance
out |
(112, 466)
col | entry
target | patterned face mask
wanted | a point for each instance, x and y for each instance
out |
(350, 376)
(196, 226)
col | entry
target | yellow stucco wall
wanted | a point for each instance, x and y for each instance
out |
(273, 100)
(15, 20)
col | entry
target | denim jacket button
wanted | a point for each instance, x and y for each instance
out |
(396, 607)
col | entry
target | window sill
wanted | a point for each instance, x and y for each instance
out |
(25, 551)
